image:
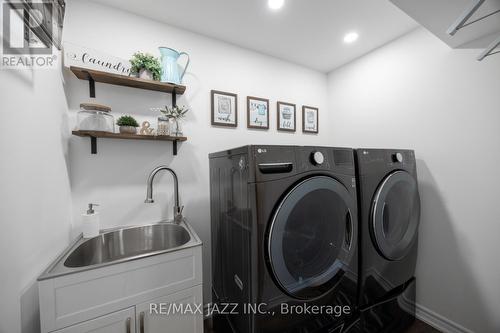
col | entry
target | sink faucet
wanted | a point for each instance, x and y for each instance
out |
(149, 194)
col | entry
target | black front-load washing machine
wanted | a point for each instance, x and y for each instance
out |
(284, 239)
(389, 210)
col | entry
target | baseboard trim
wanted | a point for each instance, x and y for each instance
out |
(438, 321)
(432, 318)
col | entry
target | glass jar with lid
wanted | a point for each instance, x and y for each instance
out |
(95, 117)
(163, 126)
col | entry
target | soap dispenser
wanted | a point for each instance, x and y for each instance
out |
(90, 221)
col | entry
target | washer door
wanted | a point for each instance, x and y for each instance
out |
(396, 215)
(312, 237)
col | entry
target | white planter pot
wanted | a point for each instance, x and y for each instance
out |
(128, 129)
(145, 74)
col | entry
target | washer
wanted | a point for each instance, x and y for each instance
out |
(389, 207)
(284, 233)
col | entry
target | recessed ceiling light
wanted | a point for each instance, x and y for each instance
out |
(351, 37)
(275, 4)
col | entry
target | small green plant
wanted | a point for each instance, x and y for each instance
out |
(127, 121)
(176, 112)
(147, 61)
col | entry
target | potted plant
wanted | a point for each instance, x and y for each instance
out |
(127, 124)
(175, 115)
(145, 65)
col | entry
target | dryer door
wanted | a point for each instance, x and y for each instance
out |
(312, 237)
(395, 215)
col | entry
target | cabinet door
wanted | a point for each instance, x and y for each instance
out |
(117, 322)
(161, 316)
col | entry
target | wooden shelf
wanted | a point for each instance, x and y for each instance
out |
(93, 135)
(121, 80)
(98, 134)
(94, 76)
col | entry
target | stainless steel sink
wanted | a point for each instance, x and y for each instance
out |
(121, 245)
(127, 243)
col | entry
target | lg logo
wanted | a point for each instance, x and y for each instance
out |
(261, 150)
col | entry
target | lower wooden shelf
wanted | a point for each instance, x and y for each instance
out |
(93, 135)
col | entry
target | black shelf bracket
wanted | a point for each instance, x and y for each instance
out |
(174, 98)
(93, 145)
(174, 147)
(174, 103)
(91, 86)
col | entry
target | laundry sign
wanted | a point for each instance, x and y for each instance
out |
(80, 56)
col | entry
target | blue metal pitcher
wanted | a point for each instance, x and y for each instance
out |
(170, 69)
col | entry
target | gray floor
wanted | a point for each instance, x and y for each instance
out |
(421, 327)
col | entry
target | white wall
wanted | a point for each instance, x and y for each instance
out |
(116, 176)
(414, 93)
(35, 198)
(418, 93)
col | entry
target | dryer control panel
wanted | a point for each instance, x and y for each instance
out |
(373, 160)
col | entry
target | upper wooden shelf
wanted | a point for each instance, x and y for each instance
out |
(93, 135)
(100, 134)
(122, 80)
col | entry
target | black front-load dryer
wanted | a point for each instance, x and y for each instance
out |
(284, 238)
(389, 208)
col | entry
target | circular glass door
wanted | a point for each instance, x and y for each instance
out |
(395, 215)
(312, 237)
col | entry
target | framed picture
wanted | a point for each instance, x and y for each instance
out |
(310, 119)
(224, 109)
(257, 112)
(286, 117)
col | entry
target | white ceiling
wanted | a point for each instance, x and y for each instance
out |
(306, 32)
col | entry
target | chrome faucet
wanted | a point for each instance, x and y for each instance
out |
(149, 194)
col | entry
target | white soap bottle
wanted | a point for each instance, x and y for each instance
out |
(90, 222)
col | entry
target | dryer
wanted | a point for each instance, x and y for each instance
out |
(284, 234)
(389, 208)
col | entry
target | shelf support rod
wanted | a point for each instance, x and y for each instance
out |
(174, 99)
(91, 86)
(174, 147)
(489, 50)
(93, 145)
(466, 15)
